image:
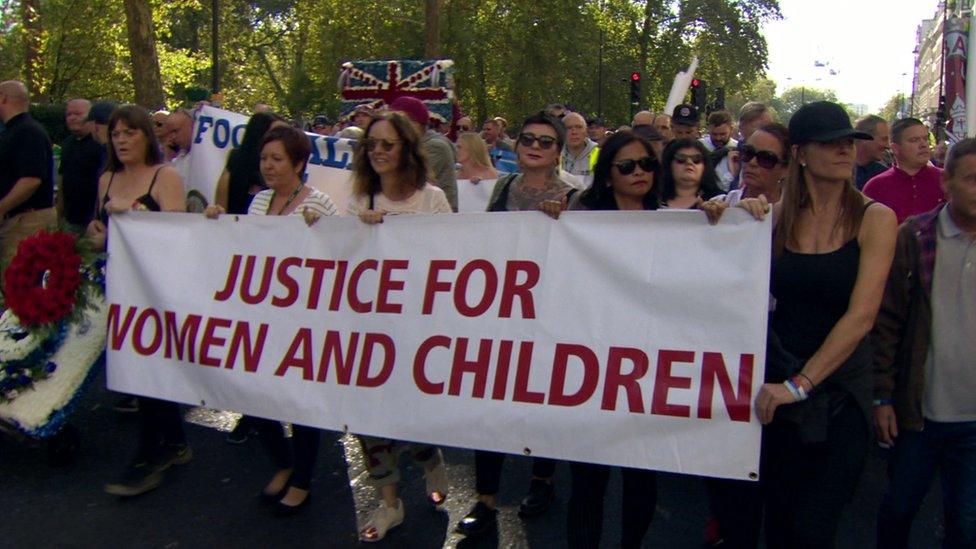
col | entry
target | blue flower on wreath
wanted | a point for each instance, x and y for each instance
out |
(50, 367)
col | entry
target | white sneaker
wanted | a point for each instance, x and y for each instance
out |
(383, 519)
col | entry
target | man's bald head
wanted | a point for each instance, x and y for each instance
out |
(642, 117)
(13, 99)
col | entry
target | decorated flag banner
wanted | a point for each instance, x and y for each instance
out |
(589, 338)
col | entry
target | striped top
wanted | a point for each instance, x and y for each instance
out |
(316, 200)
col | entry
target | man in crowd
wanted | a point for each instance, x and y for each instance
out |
(579, 154)
(720, 143)
(870, 152)
(556, 110)
(491, 132)
(912, 186)
(439, 151)
(642, 118)
(261, 107)
(179, 128)
(662, 123)
(362, 115)
(925, 380)
(26, 178)
(465, 124)
(97, 122)
(752, 116)
(322, 125)
(596, 128)
(82, 159)
(503, 132)
(684, 122)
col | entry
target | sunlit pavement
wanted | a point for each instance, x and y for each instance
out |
(212, 501)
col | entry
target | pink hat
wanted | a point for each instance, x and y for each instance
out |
(413, 108)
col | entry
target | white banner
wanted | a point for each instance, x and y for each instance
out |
(217, 131)
(473, 197)
(625, 338)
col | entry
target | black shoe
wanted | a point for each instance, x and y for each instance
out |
(282, 510)
(127, 405)
(242, 431)
(271, 499)
(479, 521)
(537, 501)
(146, 474)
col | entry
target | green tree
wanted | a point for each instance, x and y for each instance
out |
(794, 98)
(896, 107)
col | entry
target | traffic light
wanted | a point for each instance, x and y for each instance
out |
(699, 97)
(635, 88)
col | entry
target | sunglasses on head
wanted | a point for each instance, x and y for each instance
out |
(765, 159)
(627, 167)
(370, 144)
(464, 128)
(682, 158)
(545, 142)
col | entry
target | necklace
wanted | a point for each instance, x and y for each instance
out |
(291, 197)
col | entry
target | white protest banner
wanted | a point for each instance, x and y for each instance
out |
(217, 131)
(626, 338)
(473, 197)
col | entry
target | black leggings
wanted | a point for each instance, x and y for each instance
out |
(488, 470)
(803, 487)
(584, 516)
(299, 456)
(161, 424)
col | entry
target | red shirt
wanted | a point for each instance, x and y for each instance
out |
(907, 195)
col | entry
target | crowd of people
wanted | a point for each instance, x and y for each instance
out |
(870, 325)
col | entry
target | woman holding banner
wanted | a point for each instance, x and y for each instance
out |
(390, 178)
(284, 154)
(538, 148)
(241, 178)
(688, 175)
(832, 249)
(623, 179)
(137, 178)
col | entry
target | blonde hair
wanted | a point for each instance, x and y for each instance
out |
(477, 150)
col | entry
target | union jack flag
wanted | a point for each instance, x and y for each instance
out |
(378, 83)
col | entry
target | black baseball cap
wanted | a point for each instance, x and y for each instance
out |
(100, 111)
(822, 121)
(685, 114)
(321, 120)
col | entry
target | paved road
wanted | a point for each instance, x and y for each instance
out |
(211, 502)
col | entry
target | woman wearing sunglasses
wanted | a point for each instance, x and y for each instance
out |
(832, 249)
(764, 160)
(538, 147)
(283, 155)
(389, 178)
(687, 176)
(623, 179)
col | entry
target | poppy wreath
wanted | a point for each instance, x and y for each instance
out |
(41, 283)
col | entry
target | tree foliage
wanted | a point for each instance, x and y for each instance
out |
(896, 107)
(512, 57)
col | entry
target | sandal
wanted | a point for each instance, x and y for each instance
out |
(383, 519)
(437, 482)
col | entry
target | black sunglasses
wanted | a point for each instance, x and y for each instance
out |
(545, 142)
(765, 159)
(370, 144)
(464, 128)
(682, 158)
(627, 167)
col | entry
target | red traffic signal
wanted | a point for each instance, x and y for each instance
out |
(695, 83)
(635, 76)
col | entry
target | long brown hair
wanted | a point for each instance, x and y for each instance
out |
(796, 198)
(412, 167)
(136, 118)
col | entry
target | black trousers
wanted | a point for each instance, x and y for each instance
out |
(584, 516)
(299, 455)
(488, 470)
(161, 424)
(803, 487)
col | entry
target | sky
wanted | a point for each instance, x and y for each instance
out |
(867, 43)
